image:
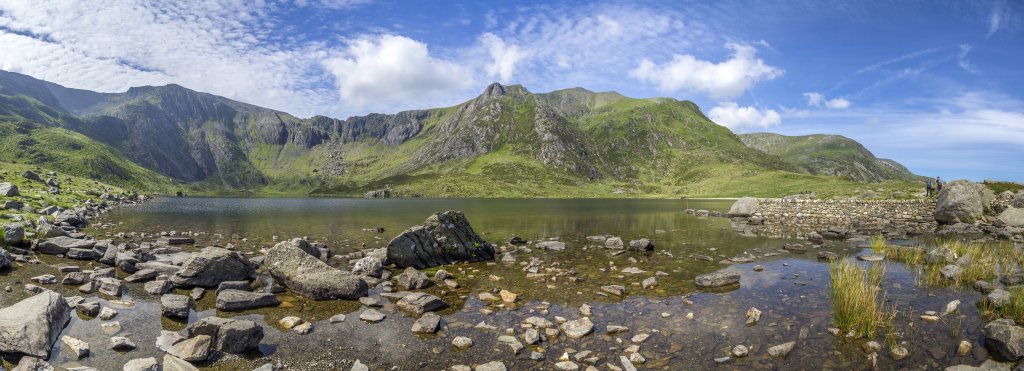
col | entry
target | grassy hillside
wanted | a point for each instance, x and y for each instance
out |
(74, 190)
(833, 155)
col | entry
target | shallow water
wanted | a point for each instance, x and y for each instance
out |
(792, 291)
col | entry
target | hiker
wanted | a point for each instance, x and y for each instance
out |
(938, 184)
(928, 187)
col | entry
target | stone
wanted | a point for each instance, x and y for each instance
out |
(1012, 216)
(172, 363)
(649, 283)
(142, 364)
(80, 254)
(1004, 339)
(491, 366)
(107, 313)
(951, 272)
(14, 234)
(368, 266)
(372, 315)
(193, 349)
(428, 323)
(567, 366)
(176, 306)
(642, 244)
(75, 346)
(91, 309)
(421, 302)
(9, 190)
(5, 259)
(871, 347)
(229, 335)
(234, 300)
(444, 238)
(126, 261)
(640, 338)
(234, 285)
(898, 352)
(753, 316)
(290, 322)
(74, 278)
(32, 364)
(998, 298)
(158, 287)
(551, 245)
(740, 351)
(871, 257)
(412, 279)
(338, 318)
(303, 328)
(962, 201)
(508, 296)
(121, 344)
(781, 350)
(306, 275)
(614, 290)
(359, 366)
(940, 255)
(512, 343)
(614, 243)
(579, 328)
(47, 230)
(717, 279)
(964, 348)
(462, 342)
(531, 336)
(142, 275)
(988, 365)
(815, 238)
(61, 245)
(211, 266)
(539, 322)
(744, 207)
(32, 326)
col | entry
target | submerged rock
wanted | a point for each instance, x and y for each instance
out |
(303, 273)
(421, 302)
(444, 238)
(232, 300)
(717, 279)
(412, 279)
(33, 325)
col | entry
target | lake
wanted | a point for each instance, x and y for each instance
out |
(687, 328)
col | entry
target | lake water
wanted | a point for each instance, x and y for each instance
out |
(688, 329)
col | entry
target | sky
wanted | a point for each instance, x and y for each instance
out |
(938, 86)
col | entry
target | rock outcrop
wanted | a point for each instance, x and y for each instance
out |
(745, 206)
(33, 325)
(211, 266)
(444, 238)
(962, 201)
(299, 271)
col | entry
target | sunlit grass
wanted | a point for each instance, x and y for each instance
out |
(856, 307)
(978, 261)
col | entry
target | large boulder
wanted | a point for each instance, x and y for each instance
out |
(962, 201)
(14, 233)
(368, 266)
(5, 259)
(1004, 339)
(229, 335)
(61, 245)
(1012, 216)
(444, 238)
(9, 190)
(1018, 200)
(308, 276)
(745, 206)
(211, 266)
(421, 302)
(230, 300)
(47, 230)
(33, 325)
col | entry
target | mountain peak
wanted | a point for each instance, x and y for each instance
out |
(497, 89)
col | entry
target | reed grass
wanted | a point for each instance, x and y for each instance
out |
(856, 307)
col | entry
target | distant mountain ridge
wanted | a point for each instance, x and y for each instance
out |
(833, 155)
(506, 141)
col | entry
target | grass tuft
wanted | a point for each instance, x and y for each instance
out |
(856, 307)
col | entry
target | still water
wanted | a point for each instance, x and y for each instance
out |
(688, 328)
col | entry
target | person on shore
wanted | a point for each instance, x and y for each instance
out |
(928, 187)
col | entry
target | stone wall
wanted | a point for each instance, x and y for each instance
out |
(783, 217)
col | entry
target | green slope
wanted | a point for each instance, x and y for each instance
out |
(833, 155)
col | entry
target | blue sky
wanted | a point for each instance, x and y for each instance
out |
(934, 85)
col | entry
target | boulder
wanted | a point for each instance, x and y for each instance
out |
(176, 306)
(310, 277)
(421, 302)
(231, 300)
(234, 285)
(951, 272)
(142, 364)
(551, 245)
(815, 238)
(126, 261)
(745, 206)
(158, 287)
(1012, 216)
(940, 255)
(14, 234)
(211, 266)
(32, 364)
(47, 230)
(428, 323)
(412, 279)
(229, 335)
(109, 286)
(614, 243)
(717, 279)
(576, 329)
(1004, 339)
(642, 244)
(172, 363)
(61, 245)
(33, 325)
(444, 238)
(368, 266)
(80, 254)
(962, 201)
(5, 259)
(9, 190)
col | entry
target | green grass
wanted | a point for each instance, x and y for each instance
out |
(856, 306)
(998, 187)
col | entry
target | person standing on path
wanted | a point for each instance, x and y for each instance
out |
(938, 184)
(928, 187)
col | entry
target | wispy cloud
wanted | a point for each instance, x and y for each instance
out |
(898, 59)
(962, 59)
(816, 99)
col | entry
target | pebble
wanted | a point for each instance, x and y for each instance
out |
(462, 342)
(740, 351)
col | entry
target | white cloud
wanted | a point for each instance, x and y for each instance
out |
(962, 59)
(385, 71)
(734, 117)
(816, 99)
(995, 18)
(727, 79)
(505, 57)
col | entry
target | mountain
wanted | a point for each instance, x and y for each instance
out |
(833, 155)
(507, 141)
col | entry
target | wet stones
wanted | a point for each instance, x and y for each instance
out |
(234, 300)
(616, 290)
(428, 323)
(33, 325)
(412, 279)
(176, 306)
(372, 315)
(290, 322)
(492, 366)
(871, 257)
(14, 234)
(551, 245)
(1004, 339)
(211, 266)
(649, 283)
(61, 245)
(717, 279)
(951, 272)
(964, 348)
(228, 335)
(303, 273)
(614, 243)
(142, 364)
(951, 307)
(827, 256)
(740, 351)
(109, 286)
(898, 352)
(998, 298)
(781, 350)
(508, 296)
(444, 238)
(158, 287)
(642, 244)
(512, 342)
(122, 344)
(462, 342)
(579, 328)
(815, 238)
(421, 302)
(941, 255)
(753, 316)
(368, 266)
